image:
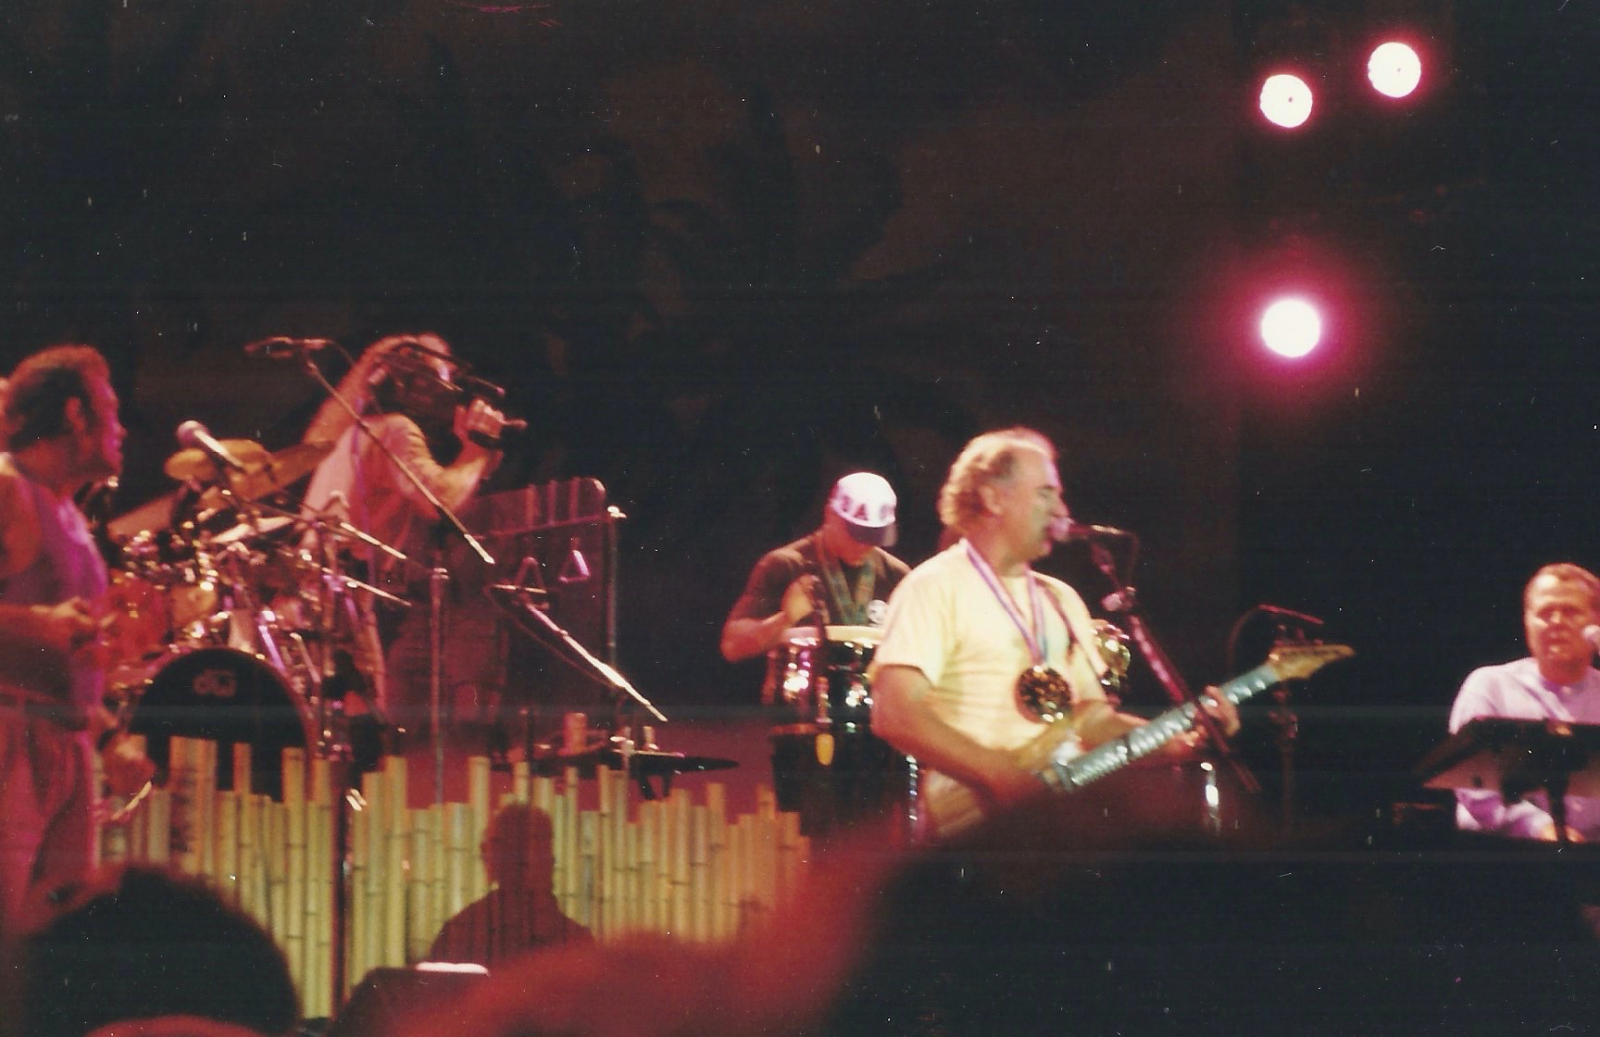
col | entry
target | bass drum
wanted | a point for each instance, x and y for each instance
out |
(231, 698)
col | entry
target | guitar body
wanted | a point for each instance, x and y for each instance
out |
(949, 808)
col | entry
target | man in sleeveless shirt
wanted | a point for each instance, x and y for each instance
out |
(63, 432)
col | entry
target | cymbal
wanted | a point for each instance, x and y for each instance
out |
(264, 473)
(192, 463)
(293, 463)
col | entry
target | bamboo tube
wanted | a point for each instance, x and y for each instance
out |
(478, 823)
(159, 830)
(588, 868)
(138, 827)
(321, 876)
(205, 798)
(458, 857)
(699, 892)
(676, 866)
(679, 805)
(180, 786)
(317, 991)
(396, 835)
(297, 866)
(252, 885)
(649, 865)
(357, 924)
(242, 756)
(225, 852)
(438, 874)
(420, 922)
(521, 781)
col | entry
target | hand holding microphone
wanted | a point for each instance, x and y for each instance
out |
(483, 424)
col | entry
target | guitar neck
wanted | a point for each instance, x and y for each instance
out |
(1069, 775)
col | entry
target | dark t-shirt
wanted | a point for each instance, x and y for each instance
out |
(763, 592)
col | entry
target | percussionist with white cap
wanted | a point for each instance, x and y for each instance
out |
(842, 567)
(827, 765)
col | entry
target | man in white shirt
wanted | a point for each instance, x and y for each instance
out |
(1554, 682)
(976, 639)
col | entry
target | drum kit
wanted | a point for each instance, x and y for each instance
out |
(233, 618)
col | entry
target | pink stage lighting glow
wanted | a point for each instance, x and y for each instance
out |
(1394, 69)
(1285, 100)
(1291, 327)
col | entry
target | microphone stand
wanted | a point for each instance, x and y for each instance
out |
(517, 602)
(1122, 601)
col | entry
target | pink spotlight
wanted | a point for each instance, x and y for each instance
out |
(1286, 100)
(1291, 327)
(1394, 69)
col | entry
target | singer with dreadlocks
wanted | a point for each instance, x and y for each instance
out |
(418, 417)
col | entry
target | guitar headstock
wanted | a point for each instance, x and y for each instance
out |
(1298, 661)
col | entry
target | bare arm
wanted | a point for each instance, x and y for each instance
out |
(744, 637)
(902, 717)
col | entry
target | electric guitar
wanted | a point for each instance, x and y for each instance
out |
(1052, 755)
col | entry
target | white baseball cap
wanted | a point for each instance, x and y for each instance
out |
(866, 503)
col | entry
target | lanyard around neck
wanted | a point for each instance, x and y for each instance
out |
(1038, 647)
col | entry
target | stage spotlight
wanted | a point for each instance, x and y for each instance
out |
(1394, 69)
(1286, 100)
(1291, 327)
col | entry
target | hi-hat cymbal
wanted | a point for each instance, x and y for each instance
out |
(193, 463)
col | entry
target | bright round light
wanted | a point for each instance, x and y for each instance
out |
(1291, 327)
(1286, 100)
(1394, 69)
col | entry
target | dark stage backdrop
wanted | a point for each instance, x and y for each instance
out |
(722, 253)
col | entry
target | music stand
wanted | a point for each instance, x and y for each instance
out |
(1514, 757)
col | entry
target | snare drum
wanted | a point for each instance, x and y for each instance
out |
(231, 698)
